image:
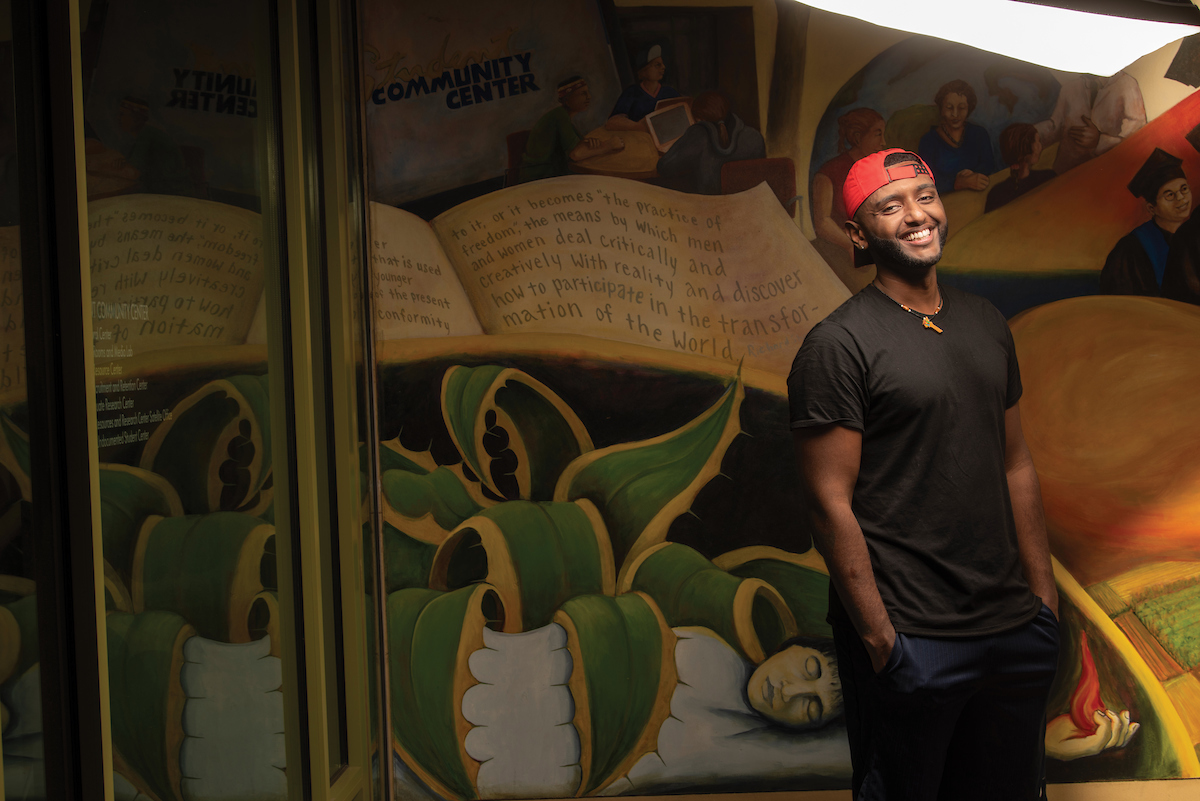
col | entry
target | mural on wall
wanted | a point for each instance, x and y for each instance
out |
(588, 482)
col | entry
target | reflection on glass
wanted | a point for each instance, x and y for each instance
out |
(176, 150)
(24, 776)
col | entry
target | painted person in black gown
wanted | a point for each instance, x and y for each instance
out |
(1138, 262)
(1181, 280)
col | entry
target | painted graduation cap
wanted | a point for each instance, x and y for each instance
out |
(1158, 169)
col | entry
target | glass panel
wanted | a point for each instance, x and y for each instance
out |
(181, 181)
(23, 774)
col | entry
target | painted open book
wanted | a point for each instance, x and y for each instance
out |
(728, 276)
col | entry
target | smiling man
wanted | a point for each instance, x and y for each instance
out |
(925, 504)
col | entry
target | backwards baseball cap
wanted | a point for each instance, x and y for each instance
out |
(870, 173)
(646, 55)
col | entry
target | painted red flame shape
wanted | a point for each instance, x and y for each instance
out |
(1085, 700)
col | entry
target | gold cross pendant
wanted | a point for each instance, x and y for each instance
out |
(925, 321)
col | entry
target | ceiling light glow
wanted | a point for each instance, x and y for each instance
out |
(1074, 41)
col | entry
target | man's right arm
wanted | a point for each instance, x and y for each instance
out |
(828, 458)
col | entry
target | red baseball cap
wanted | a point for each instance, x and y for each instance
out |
(868, 174)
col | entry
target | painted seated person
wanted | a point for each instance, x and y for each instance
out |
(1021, 147)
(860, 133)
(642, 96)
(554, 141)
(693, 164)
(958, 152)
(1138, 262)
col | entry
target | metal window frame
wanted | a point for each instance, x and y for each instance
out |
(327, 354)
(58, 333)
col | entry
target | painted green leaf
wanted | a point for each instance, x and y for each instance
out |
(17, 441)
(407, 561)
(16, 485)
(209, 568)
(216, 448)
(542, 432)
(389, 459)
(145, 657)
(421, 498)
(536, 555)
(128, 495)
(18, 637)
(431, 635)
(623, 654)
(641, 487)
(749, 614)
(802, 579)
(426, 505)
(394, 456)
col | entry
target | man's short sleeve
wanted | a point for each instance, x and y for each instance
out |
(1014, 371)
(828, 381)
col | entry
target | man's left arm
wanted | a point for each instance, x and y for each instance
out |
(1026, 495)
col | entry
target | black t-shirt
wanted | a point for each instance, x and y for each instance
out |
(932, 492)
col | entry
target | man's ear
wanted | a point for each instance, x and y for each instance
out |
(855, 232)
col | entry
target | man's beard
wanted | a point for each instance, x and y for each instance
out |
(893, 255)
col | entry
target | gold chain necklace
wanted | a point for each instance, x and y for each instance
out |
(925, 321)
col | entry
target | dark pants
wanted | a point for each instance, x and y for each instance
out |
(950, 719)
